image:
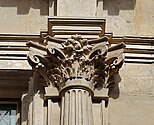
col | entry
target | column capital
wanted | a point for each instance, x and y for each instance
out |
(60, 61)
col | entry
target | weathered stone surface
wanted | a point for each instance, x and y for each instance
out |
(14, 64)
(76, 8)
(124, 17)
(137, 78)
(131, 17)
(144, 18)
(139, 70)
(25, 17)
(127, 17)
(152, 73)
(36, 101)
(119, 15)
(24, 109)
(132, 110)
(100, 113)
(55, 113)
(140, 85)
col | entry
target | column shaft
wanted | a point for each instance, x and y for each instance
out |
(76, 108)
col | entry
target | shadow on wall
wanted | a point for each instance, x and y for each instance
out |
(114, 90)
(23, 6)
(114, 6)
(35, 89)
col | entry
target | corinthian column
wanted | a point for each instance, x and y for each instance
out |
(76, 105)
(76, 68)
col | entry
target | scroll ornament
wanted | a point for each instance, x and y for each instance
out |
(76, 58)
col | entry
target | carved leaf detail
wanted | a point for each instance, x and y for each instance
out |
(77, 58)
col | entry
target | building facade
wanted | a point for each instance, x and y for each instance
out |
(25, 97)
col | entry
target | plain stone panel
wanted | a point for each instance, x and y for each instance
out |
(138, 70)
(127, 17)
(137, 78)
(55, 114)
(119, 15)
(14, 64)
(96, 113)
(86, 8)
(140, 85)
(24, 108)
(132, 110)
(144, 17)
(24, 17)
(153, 76)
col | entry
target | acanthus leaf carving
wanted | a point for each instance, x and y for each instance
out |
(76, 58)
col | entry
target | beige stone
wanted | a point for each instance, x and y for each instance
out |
(136, 78)
(23, 17)
(131, 17)
(138, 85)
(144, 17)
(132, 110)
(119, 15)
(76, 8)
(53, 113)
(14, 64)
(24, 109)
(138, 70)
(100, 113)
(132, 103)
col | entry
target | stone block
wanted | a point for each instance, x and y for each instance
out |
(120, 17)
(76, 8)
(14, 64)
(138, 70)
(144, 18)
(137, 85)
(23, 17)
(51, 92)
(132, 110)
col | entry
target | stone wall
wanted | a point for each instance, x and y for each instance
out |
(127, 17)
(136, 92)
(137, 79)
(134, 103)
(124, 17)
(132, 110)
(24, 17)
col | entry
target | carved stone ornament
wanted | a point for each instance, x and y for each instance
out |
(76, 58)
